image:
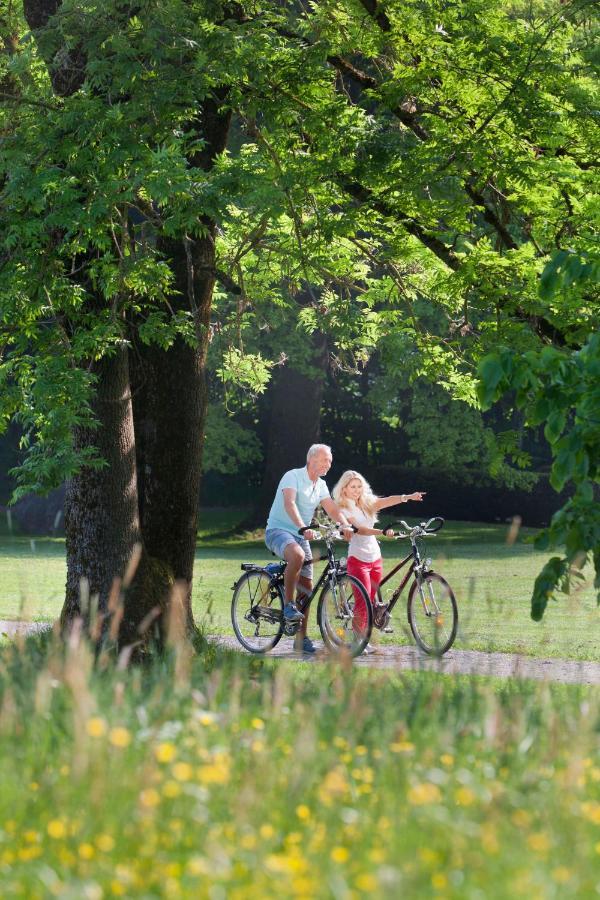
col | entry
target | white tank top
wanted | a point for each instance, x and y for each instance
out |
(363, 546)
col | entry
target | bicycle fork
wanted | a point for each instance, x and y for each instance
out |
(343, 610)
(430, 604)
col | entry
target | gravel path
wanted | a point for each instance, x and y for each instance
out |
(455, 662)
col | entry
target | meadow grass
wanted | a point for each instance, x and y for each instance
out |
(222, 776)
(491, 578)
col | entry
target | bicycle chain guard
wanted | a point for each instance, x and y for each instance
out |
(291, 628)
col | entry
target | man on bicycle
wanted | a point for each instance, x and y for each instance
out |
(298, 494)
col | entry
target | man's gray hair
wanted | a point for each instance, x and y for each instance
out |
(316, 448)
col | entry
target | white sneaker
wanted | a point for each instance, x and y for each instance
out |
(370, 649)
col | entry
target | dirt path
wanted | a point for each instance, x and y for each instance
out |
(455, 662)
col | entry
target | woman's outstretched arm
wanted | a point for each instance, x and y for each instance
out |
(394, 499)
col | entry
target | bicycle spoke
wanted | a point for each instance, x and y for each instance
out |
(432, 614)
(257, 612)
(344, 614)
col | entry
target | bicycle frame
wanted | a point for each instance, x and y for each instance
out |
(414, 556)
(329, 569)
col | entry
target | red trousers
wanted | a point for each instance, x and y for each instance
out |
(369, 574)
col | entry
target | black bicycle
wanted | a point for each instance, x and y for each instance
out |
(344, 613)
(431, 606)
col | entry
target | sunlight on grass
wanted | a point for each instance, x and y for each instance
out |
(492, 581)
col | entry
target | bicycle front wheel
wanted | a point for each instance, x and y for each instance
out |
(432, 614)
(257, 612)
(345, 615)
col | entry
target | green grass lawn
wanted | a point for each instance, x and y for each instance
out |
(224, 776)
(492, 581)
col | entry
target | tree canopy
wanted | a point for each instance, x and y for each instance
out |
(379, 173)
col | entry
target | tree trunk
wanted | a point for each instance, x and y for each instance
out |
(170, 402)
(170, 410)
(295, 422)
(101, 505)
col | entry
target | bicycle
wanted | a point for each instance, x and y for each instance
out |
(431, 605)
(258, 601)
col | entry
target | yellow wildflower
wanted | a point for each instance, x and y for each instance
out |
(489, 839)
(96, 727)
(464, 796)
(165, 753)
(521, 818)
(561, 874)
(591, 811)
(198, 865)
(303, 812)
(217, 773)
(422, 794)
(258, 724)
(86, 851)
(366, 882)
(105, 842)
(26, 854)
(182, 771)
(120, 737)
(402, 747)
(340, 854)
(149, 797)
(538, 842)
(56, 829)
(171, 789)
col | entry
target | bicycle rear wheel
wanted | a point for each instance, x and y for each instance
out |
(257, 612)
(432, 614)
(345, 615)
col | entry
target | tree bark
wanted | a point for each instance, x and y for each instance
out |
(294, 423)
(101, 505)
(170, 398)
(170, 411)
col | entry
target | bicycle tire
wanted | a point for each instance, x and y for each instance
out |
(254, 591)
(336, 626)
(423, 621)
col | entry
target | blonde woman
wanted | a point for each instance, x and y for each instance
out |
(359, 504)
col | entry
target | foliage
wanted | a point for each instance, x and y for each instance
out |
(229, 447)
(398, 170)
(561, 389)
(143, 795)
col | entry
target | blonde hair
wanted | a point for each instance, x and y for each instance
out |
(367, 500)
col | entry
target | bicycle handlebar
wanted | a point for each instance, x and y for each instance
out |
(332, 531)
(425, 529)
